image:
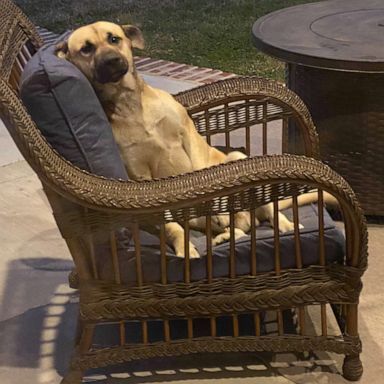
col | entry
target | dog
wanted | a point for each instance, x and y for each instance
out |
(155, 135)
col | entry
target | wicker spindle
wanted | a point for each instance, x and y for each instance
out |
(232, 264)
(284, 134)
(139, 274)
(117, 275)
(349, 239)
(25, 55)
(227, 134)
(208, 230)
(253, 242)
(187, 270)
(299, 257)
(232, 246)
(247, 128)
(321, 228)
(256, 320)
(280, 323)
(265, 132)
(164, 279)
(163, 255)
(22, 60)
(296, 222)
(208, 136)
(256, 316)
(115, 258)
(136, 240)
(322, 261)
(187, 262)
(91, 246)
(277, 257)
(276, 237)
(86, 338)
(301, 316)
(144, 330)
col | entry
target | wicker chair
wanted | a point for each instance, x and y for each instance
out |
(90, 211)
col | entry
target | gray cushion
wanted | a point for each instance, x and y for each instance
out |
(150, 253)
(66, 109)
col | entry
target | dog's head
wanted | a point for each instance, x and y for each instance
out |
(103, 50)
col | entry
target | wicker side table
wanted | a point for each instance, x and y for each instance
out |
(335, 63)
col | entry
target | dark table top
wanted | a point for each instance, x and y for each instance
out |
(338, 34)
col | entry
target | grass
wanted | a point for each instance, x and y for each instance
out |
(207, 33)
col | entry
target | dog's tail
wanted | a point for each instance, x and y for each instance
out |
(308, 198)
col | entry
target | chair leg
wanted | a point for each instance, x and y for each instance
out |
(79, 331)
(83, 342)
(352, 367)
(72, 377)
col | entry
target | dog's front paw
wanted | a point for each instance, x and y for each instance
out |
(226, 235)
(287, 226)
(220, 222)
(193, 253)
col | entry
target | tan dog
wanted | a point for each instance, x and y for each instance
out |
(154, 133)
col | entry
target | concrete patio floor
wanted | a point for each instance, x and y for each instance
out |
(38, 309)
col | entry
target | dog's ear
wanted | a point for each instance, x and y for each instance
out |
(134, 34)
(61, 50)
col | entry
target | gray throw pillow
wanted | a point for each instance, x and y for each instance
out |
(65, 108)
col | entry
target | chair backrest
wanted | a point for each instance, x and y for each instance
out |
(19, 40)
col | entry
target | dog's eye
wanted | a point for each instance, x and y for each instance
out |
(114, 39)
(87, 48)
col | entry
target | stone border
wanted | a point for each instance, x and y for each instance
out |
(164, 68)
(179, 71)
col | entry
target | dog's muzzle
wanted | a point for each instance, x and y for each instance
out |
(110, 68)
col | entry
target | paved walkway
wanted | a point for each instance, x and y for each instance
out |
(38, 310)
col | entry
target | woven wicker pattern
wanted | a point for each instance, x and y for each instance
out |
(111, 356)
(253, 92)
(91, 211)
(105, 301)
(18, 39)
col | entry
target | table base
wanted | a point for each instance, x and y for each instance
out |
(348, 111)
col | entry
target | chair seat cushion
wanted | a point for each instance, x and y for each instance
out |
(150, 253)
(65, 108)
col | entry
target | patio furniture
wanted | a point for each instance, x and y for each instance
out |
(335, 63)
(126, 274)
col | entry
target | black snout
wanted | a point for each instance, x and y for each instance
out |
(110, 67)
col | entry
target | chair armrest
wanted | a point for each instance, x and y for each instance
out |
(254, 88)
(188, 189)
(240, 185)
(245, 184)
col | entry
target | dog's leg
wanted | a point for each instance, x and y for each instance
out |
(265, 212)
(308, 198)
(175, 236)
(242, 219)
(226, 235)
(218, 223)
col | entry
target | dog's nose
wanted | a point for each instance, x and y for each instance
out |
(113, 61)
(110, 67)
